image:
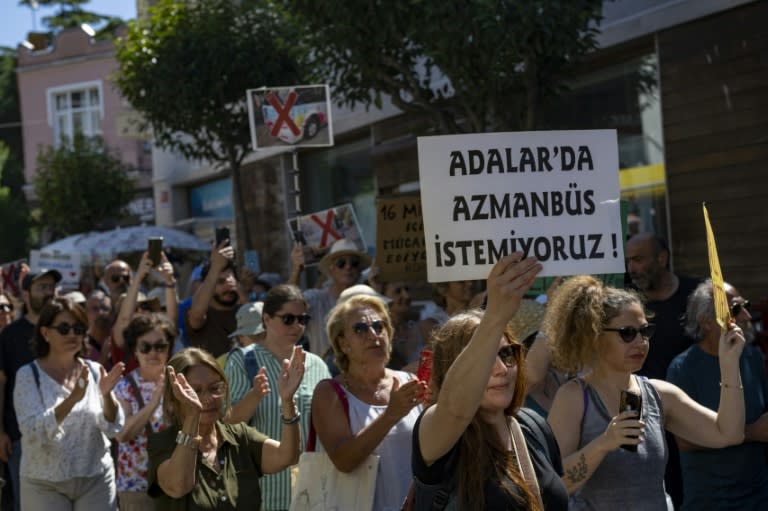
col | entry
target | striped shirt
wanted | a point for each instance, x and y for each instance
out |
(275, 488)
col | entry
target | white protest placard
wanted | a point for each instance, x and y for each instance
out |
(551, 194)
(317, 231)
(67, 264)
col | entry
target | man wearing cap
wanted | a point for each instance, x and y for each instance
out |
(37, 289)
(212, 316)
(250, 328)
(342, 265)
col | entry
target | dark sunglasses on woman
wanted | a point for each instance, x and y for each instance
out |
(289, 319)
(6, 307)
(629, 333)
(508, 354)
(65, 328)
(361, 327)
(159, 347)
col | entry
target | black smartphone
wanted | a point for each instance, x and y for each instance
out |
(155, 249)
(630, 401)
(298, 237)
(222, 233)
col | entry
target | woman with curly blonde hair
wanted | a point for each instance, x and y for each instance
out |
(602, 333)
(478, 378)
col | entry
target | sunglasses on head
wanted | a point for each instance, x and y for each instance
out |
(289, 319)
(629, 333)
(508, 354)
(362, 327)
(353, 262)
(159, 347)
(6, 307)
(736, 307)
(118, 278)
(65, 328)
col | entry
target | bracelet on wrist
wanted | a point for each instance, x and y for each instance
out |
(187, 440)
(170, 284)
(729, 386)
(292, 420)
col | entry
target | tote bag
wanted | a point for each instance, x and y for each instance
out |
(320, 486)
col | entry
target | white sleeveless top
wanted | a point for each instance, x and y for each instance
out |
(394, 451)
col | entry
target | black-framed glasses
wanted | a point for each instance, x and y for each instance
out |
(65, 328)
(508, 354)
(362, 327)
(288, 319)
(737, 306)
(352, 261)
(629, 333)
(117, 278)
(159, 347)
(6, 307)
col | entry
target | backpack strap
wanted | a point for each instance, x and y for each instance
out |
(251, 364)
(139, 399)
(312, 436)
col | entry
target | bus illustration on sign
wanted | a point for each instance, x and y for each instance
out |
(294, 116)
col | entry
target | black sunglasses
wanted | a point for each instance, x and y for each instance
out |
(289, 319)
(6, 307)
(159, 347)
(736, 308)
(508, 354)
(361, 327)
(145, 306)
(629, 333)
(118, 278)
(65, 328)
(353, 262)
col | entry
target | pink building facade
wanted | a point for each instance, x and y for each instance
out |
(66, 88)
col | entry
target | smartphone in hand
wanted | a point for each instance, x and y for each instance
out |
(155, 249)
(630, 401)
(222, 233)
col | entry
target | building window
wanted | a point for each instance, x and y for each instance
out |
(76, 108)
(625, 97)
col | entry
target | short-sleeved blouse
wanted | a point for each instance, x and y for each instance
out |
(234, 487)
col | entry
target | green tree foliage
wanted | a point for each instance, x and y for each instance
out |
(14, 227)
(71, 14)
(472, 65)
(81, 185)
(187, 69)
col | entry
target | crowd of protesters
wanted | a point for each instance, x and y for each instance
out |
(133, 396)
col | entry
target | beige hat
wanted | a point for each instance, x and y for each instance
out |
(528, 318)
(343, 247)
(76, 296)
(361, 289)
(152, 303)
(249, 320)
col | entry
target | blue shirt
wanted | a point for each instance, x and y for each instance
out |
(734, 477)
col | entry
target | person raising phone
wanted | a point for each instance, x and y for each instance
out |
(602, 333)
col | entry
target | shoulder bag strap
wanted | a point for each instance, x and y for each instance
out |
(140, 399)
(312, 436)
(524, 460)
(36, 375)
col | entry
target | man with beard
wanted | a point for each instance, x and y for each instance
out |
(117, 278)
(98, 309)
(342, 265)
(213, 313)
(741, 311)
(37, 289)
(667, 297)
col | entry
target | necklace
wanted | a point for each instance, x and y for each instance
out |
(378, 393)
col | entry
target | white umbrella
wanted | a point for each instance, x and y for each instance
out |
(126, 239)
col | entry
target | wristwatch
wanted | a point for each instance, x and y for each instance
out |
(187, 440)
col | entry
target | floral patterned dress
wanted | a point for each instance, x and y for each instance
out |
(132, 460)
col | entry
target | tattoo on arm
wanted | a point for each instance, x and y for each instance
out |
(577, 472)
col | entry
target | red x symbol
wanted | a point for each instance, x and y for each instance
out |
(8, 282)
(283, 112)
(327, 228)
